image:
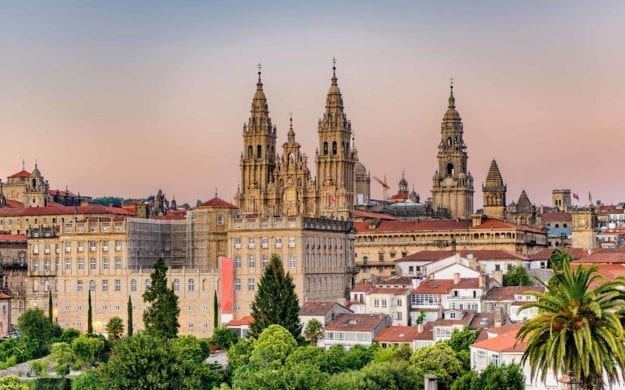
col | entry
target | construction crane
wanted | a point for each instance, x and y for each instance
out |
(384, 185)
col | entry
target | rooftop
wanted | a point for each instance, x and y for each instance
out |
(311, 308)
(356, 322)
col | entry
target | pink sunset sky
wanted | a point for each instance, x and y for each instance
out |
(124, 99)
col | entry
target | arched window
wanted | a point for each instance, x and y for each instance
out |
(325, 148)
(133, 285)
(220, 220)
(190, 285)
(259, 151)
(450, 169)
(176, 285)
(250, 152)
(449, 141)
(334, 147)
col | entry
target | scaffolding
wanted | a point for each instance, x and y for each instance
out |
(149, 239)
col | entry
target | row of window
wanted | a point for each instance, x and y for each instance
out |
(92, 246)
(383, 303)
(117, 285)
(251, 261)
(264, 242)
(80, 264)
(251, 284)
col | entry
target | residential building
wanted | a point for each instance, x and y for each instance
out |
(415, 337)
(354, 329)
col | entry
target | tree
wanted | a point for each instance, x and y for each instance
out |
(387, 375)
(224, 338)
(460, 341)
(273, 347)
(438, 359)
(36, 332)
(89, 315)
(517, 276)
(577, 330)
(161, 317)
(87, 349)
(50, 307)
(276, 301)
(215, 311)
(115, 328)
(63, 358)
(129, 308)
(12, 382)
(557, 259)
(313, 331)
(88, 380)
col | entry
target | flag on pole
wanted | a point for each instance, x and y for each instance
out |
(576, 197)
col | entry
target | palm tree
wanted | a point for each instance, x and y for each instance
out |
(577, 330)
(313, 331)
(115, 328)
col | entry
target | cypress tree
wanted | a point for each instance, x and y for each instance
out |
(215, 311)
(50, 311)
(89, 316)
(161, 317)
(275, 301)
(129, 316)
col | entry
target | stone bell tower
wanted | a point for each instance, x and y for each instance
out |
(452, 188)
(494, 193)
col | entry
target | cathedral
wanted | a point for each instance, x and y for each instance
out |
(279, 183)
(452, 189)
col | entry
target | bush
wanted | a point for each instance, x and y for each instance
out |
(39, 368)
(224, 338)
(50, 384)
(87, 349)
(88, 380)
(11, 382)
(63, 358)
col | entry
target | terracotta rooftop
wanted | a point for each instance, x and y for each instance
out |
(478, 254)
(372, 215)
(246, 320)
(356, 322)
(393, 291)
(363, 287)
(545, 254)
(4, 295)
(444, 286)
(414, 226)
(508, 293)
(505, 342)
(317, 308)
(604, 257)
(218, 203)
(64, 210)
(21, 174)
(467, 317)
(398, 334)
(12, 238)
(394, 280)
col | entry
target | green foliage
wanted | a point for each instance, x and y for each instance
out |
(383, 355)
(129, 310)
(517, 276)
(215, 311)
(63, 358)
(39, 368)
(509, 377)
(558, 258)
(88, 380)
(460, 341)
(161, 317)
(314, 331)
(69, 335)
(50, 383)
(89, 314)
(12, 382)
(275, 301)
(87, 349)
(115, 328)
(420, 318)
(114, 201)
(223, 337)
(578, 329)
(387, 375)
(36, 330)
(273, 347)
(239, 353)
(438, 359)
(145, 361)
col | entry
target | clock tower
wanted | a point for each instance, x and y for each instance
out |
(452, 188)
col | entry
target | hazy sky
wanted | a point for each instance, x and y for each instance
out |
(115, 98)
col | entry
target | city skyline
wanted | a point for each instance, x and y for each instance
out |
(109, 107)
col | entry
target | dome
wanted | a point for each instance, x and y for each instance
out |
(359, 169)
(403, 182)
(451, 115)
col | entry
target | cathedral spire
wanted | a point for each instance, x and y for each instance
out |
(334, 101)
(259, 103)
(452, 99)
(291, 134)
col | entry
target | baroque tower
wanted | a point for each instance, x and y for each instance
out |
(258, 159)
(335, 158)
(452, 189)
(494, 193)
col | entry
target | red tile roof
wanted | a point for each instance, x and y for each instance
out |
(505, 342)
(604, 257)
(318, 308)
(372, 215)
(14, 204)
(4, 295)
(445, 286)
(414, 226)
(21, 174)
(356, 322)
(394, 280)
(466, 319)
(12, 238)
(64, 210)
(246, 320)
(478, 254)
(218, 203)
(507, 293)
(398, 334)
(393, 291)
(363, 287)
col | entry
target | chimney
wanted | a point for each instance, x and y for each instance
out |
(430, 382)
(483, 282)
(456, 277)
(498, 317)
(420, 327)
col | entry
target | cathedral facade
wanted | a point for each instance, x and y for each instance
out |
(279, 183)
(452, 188)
